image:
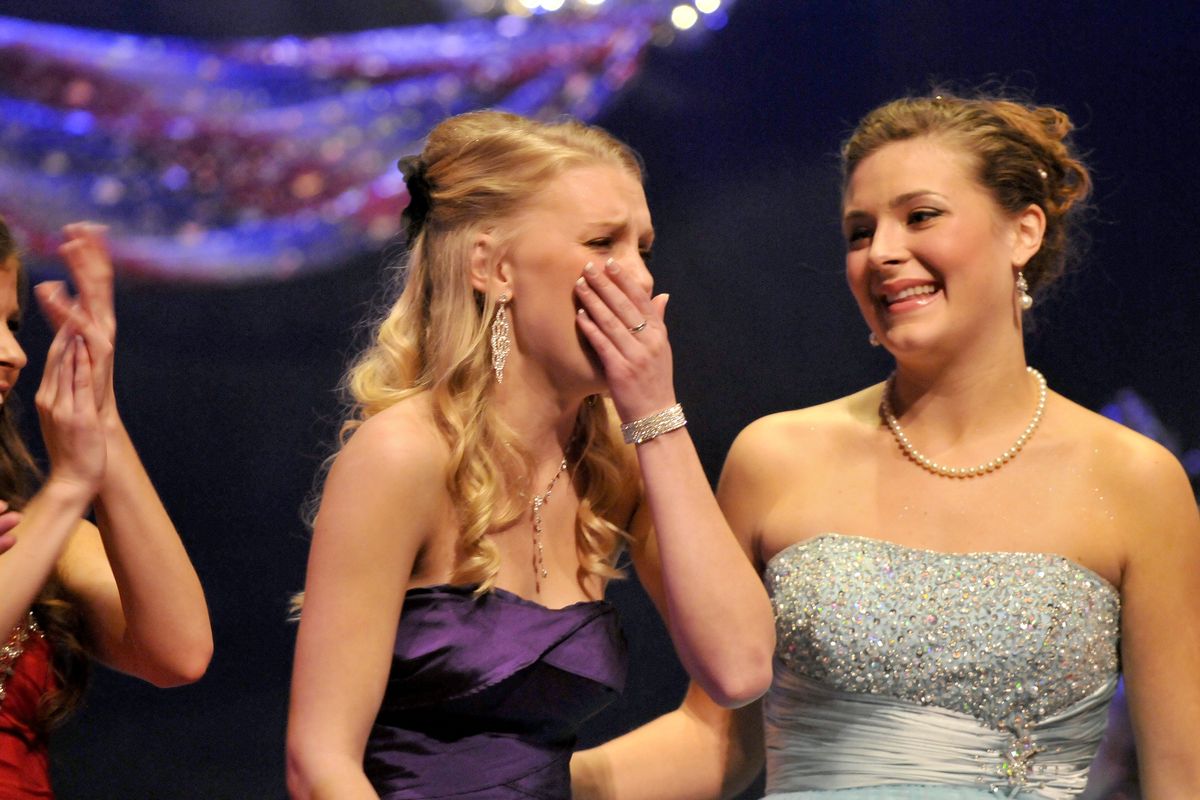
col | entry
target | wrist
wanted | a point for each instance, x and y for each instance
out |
(111, 421)
(68, 492)
(643, 429)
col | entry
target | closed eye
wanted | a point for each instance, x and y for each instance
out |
(858, 234)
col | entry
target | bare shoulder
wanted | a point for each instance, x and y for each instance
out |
(778, 455)
(1146, 481)
(801, 436)
(393, 467)
(400, 446)
(402, 437)
(1121, 454)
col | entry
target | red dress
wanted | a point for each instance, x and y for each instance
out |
(24, 752)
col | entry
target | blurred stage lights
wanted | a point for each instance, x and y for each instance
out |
(685, 16)
(682, 16)
(526, 8)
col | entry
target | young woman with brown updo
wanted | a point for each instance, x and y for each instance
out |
(122, 591)
(453, 634)
(961, 561)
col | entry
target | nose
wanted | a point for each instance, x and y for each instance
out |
(887, 246)
(12, 355)
(636, 266)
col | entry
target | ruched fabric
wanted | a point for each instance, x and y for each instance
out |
(819, 738)
(486, 693)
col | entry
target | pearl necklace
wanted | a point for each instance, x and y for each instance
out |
(539, 500)
(924, 461)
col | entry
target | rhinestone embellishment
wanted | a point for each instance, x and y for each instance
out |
(1007, 638)
(13, 649)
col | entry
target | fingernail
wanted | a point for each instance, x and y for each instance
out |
(579, 312)
(589, 268)
(612, 266)
(581, 284)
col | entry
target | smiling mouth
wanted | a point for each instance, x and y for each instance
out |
(920, 294)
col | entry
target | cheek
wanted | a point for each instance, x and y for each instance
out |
(857, 274)
(859, 279)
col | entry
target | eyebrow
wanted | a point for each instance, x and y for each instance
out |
(907, 196)
(621, 224)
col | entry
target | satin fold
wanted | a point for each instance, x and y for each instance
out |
(819, 738)
(486, 693)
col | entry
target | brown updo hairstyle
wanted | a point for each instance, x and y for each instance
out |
(56, 611)
(1023, 155)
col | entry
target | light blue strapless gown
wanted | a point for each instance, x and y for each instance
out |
(907, 674)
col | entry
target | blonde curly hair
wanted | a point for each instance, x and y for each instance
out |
(477, 169)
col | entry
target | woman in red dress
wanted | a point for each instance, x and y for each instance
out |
(121, 591)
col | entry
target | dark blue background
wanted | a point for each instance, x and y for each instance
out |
(229, 393)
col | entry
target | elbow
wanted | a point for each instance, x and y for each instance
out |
(297, 783)
(740, 692)
(193, 668)
(747, 674)
(185, 665)
(742, 681)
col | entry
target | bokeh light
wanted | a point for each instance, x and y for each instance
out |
(684, 17)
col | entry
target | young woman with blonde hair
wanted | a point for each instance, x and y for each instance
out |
(453, 633)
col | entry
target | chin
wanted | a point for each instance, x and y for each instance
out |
(593, 373)
(915, 339)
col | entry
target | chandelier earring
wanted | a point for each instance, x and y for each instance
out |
(1023, 295)
(501, 337)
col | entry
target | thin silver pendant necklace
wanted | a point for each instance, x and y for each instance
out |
(539, 554)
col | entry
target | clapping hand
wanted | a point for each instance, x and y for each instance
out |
(85, 252)
(76, 390)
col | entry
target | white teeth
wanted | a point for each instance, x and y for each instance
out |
(911, 291)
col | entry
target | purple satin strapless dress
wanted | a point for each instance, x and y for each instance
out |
(485, 695)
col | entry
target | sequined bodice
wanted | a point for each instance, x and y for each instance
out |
(26, 676)
(1007, 639)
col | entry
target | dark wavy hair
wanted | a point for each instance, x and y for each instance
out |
(57, 612)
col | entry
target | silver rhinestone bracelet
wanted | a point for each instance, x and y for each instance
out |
(656, 424)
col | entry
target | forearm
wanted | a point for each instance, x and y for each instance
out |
(327, 777)
(1177, 780)
(718, 612)
(678, 756)
(167, 635)
(46, 525)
